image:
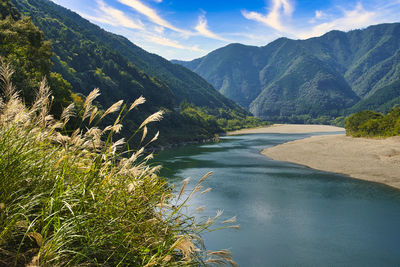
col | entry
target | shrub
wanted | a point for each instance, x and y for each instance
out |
(373, 124)
(355, 121)
(81, 199)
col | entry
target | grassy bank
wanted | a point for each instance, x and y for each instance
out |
(83, 198)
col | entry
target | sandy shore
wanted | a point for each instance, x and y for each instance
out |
(289, 128)
(376, 160)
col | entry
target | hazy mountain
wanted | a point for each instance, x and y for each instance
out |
(313, 77)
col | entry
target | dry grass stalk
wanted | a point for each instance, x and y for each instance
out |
(75, 194)
(231, 220)
(137, 102)
(87, 105)
(114, 108)
(152, 118)
(185, 245)
(144, 134)
(93, 115)
(205, 177)
(185, 183)
(206, 191)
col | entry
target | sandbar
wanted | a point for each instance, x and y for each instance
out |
(289, 128)
(376, 160)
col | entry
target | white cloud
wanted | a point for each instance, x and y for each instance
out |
(351, 19)
(172, 43)
(280, 14)
(280, 9)
(106, 14)
(144, 23)
(203, 30)
(159, 29)
(319, 14)
(152, 15)
(112, 16)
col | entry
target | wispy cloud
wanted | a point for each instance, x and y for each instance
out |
(202, 29)
(189, 34)
(108, 15)
(280, 9)
(152, 15)
(319, 14)
(351, 19)
(280, 15)
(172, 43)
(112, 16)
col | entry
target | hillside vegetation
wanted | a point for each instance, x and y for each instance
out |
(84, 199)
(89, 57)
(369, 123)
(83, 46)
(23, 46)
(319, 78)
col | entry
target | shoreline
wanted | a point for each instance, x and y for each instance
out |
(374, 160)
(289, 129)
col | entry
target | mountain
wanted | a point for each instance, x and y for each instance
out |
(382, 100)
(322, 76)
(89, 57)
(77, 31)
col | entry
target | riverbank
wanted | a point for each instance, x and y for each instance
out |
(376, 160)
(289, 128)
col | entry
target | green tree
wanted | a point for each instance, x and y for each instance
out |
(355, 121)
(24, 47)
(372, 124)
(8, 9)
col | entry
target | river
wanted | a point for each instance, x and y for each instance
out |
(290, 215)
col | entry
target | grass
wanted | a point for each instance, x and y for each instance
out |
(85, 199)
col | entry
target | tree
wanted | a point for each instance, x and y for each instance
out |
(24, 47)
(355, 121)
(8, 9)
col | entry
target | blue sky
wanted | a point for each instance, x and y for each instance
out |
(184, 29)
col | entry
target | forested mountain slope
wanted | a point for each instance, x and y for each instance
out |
(306, 78)
(70, 32)
(89, 57)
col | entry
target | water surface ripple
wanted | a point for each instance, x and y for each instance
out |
(290, 215)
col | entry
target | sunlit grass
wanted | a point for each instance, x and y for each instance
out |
(81, 199)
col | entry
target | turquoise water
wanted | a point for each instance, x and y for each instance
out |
(290, 215)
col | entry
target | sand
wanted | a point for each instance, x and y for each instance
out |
(288, 128)
(376, 160)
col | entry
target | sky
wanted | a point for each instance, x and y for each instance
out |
(185, 29)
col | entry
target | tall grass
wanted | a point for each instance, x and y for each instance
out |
(81, 199)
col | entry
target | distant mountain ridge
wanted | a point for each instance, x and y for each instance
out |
(319, 76)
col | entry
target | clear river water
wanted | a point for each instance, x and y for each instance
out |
(290, 215)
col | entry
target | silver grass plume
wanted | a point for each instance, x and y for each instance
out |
(154, 117)
(87, 105)
(137, 102)
(114, 108)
